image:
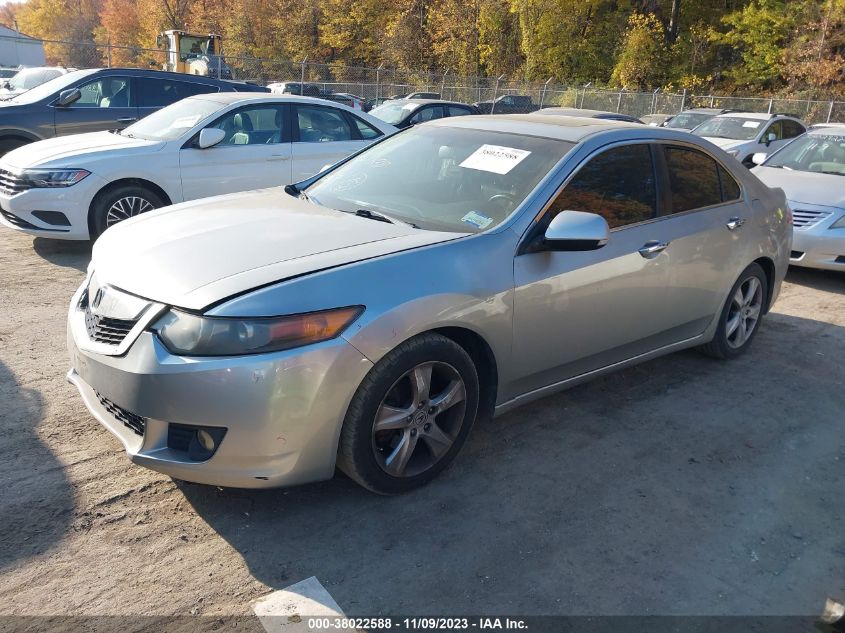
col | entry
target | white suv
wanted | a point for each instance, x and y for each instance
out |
(743, 134)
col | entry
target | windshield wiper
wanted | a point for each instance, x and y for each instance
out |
(373, 215)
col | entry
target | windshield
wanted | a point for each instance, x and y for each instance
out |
(737, 128)
(442, 178)
(53, 87)
(821, 153)
(31, 77)
(393, 111)
(173, 121)
(687, 120)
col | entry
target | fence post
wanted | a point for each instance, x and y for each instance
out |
(378, 78)
(543, 95)
(829, 112)
(771, 105)
(443, 84)
(302, 77)
(496, 92)
(683, 100)
(654, 100)
(220, 63)
(108, 52)
(711, 101)
(619, 101)
(583, 94)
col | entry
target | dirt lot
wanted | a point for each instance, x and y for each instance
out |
(683, 486)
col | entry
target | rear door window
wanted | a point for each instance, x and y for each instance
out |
(107, 92)
(318, 124)
(157, 93)
(694, 179)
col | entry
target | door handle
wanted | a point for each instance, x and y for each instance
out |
(278, 157)
(652, 249)
(734, 223)
(127, 119)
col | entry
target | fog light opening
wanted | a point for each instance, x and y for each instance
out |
(199, 442)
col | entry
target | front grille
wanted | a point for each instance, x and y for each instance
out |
(15, 220)
(803, 219)
(11, 183)
(103, 329)
(131, 421)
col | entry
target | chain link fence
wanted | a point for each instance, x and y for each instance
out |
(383, 82)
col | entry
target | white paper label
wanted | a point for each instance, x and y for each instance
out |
(754, 124)
(495, 158)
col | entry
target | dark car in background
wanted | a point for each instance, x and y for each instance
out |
(98, 99)
(403, 113)
(507, 104)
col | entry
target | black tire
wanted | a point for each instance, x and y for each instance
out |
(725, 343)
(145, 198)
(363, 453)
(8, 144)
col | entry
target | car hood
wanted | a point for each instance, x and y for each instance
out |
(827, 190)
(198, 253)
(725, 143)
(77, 149)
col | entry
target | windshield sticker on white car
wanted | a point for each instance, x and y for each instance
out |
(754, 124)
(495, 158)
(477, 220)
(185, 121)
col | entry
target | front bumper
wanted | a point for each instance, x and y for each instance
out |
(282, 411)
(73, 202)
(819, 246)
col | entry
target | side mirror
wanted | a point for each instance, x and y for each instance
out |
(210, 136)
(771, 137)
(325, 167)
(759, 158)
(576, 231)
(67, 97)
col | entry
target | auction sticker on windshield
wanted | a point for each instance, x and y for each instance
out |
(495, 158)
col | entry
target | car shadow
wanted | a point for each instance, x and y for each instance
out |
(824, 280)
(36, 500)
(682, 485)
(65, 253)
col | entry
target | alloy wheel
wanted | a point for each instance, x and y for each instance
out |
(127, 207)
(744, 313)
(419, 419)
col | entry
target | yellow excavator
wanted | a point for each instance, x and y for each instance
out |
(194, 53)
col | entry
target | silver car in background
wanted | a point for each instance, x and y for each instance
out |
(811, 171)
(365, 318)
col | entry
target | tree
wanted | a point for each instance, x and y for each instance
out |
(641, 63)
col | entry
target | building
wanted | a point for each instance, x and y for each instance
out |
(17, 49)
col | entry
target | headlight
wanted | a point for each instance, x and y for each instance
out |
(190, 335)
(53, 177)
(839, 224)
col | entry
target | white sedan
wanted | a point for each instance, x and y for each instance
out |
(75, 187)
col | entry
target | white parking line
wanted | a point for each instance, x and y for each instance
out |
(289, 610)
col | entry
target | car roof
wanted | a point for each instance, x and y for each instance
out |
(706, 110)
(166, 74)
(236, 97)
(558, 127)
(827, 128)
(427, 101)
(758, 116)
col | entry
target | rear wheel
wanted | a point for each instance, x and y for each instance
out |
(741, 315)
(410, 416)
(122, 203)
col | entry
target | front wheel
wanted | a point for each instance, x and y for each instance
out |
(410, 416)
(741, 315)
(121, 203)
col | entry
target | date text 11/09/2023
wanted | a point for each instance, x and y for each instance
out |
(418, 623)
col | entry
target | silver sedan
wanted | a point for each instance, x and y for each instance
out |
(811, 170)
(367, 317)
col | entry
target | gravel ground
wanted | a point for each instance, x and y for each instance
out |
(682, 486)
